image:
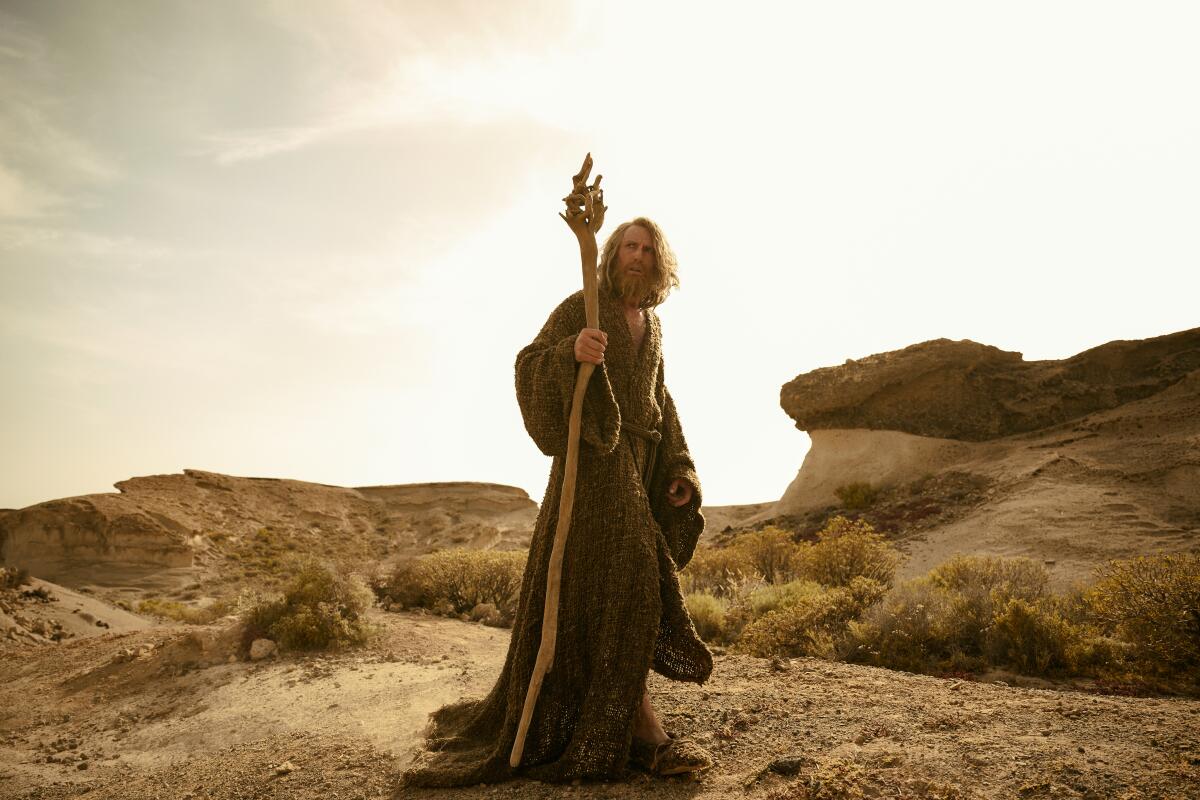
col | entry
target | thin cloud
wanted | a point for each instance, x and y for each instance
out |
(21, 198)
(126, 250)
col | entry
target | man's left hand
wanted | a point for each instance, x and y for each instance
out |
(679, 492)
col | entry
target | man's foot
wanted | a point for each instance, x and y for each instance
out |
(672, 757)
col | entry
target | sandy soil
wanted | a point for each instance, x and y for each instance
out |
(161, 712)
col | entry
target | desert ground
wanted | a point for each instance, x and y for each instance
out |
(172, 711)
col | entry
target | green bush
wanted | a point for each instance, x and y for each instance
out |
(320, 608)
(856, 496)
(461, 579)
(846, 549)
(708, 615)
(169, 609)
(1154, 604)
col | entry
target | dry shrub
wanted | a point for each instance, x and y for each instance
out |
(13, 577)
(812, 624)
(708, 615)
(169, 609)
(977, 589)
(974, 612)
(460, 579)
(1154, 604)
(768, 554)
(906, 630)
(714, 570)
(770, 597)
(320, 608)
(856, 496)
(846, 549)
(1034, 638)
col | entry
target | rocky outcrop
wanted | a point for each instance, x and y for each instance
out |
(162, 524)
(838, 458)
(1091, 458)
(974, 392)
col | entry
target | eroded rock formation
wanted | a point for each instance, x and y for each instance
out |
(975, 392)
(163, 524)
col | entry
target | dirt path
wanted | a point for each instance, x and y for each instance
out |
(170, 717)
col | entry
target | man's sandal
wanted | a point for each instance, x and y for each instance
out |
(672, 757)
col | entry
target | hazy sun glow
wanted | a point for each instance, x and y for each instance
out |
(285, 240)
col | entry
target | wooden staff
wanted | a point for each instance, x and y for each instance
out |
(584, 215)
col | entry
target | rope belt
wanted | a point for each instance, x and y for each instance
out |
(651, 437)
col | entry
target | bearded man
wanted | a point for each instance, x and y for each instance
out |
(635, 523)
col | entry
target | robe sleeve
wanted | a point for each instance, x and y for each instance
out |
(681, 525)
(545, 378)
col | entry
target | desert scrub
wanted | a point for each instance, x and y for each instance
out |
(977, 589)
(460, 579)
(1153, 603)
(770, 597)
(972, 613)
(856, 496)
(169, 609)
(846, 549)
(716, 570)
(320, 608)
(13, 577)
(708, 614)
(767, 555)
(813, 623)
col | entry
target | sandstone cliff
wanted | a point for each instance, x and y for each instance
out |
(161, 531)
(1089, 458)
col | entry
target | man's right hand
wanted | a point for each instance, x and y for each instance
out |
(590, 344)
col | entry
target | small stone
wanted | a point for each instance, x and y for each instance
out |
(285, 768)
(791, 765)
(81, 765)
(262, 648)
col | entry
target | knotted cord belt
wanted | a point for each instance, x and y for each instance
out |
(651, 437)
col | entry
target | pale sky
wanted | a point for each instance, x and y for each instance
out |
(307, 240)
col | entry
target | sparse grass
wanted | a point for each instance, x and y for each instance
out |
(169, 609)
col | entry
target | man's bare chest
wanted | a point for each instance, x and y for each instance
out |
(637, 327)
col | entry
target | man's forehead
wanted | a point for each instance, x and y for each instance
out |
(636, 233)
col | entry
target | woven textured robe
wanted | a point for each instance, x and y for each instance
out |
(621, 612)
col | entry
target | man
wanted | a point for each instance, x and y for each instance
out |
(635, 522)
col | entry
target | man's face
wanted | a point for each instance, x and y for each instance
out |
(635, 263)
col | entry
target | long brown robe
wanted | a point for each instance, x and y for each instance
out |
(621, 611)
